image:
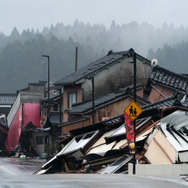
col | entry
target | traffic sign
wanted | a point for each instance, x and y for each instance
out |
(133, 110)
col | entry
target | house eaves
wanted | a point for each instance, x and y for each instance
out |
(52, 97)
(173, 102)
(100, 102)
(169, 79)
(97, 105)
(167, 102)
(7, 99)
(115, 121)
(96, 66)
(106, 103)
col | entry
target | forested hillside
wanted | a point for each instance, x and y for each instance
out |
(172, 57)
(21, 53)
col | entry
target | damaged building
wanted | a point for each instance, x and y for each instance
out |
(93, 126)
(161, 133)
(103, 148)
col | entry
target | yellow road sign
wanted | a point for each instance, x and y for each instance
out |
(133, 110)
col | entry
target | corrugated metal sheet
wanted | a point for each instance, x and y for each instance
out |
(111, 169)
(172, 126)
(13, 110)
(14, 131)
(160, 151)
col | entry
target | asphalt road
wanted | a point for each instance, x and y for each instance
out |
(18, 173)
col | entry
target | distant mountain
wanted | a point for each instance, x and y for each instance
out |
(21, 53)
(172, 57)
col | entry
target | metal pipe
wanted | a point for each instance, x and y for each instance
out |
(76, 59)
(60, 105)
(93, 98)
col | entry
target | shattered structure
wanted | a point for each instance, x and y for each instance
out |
(101, 146)
(161, 136)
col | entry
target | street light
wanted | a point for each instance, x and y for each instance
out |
(48, 58)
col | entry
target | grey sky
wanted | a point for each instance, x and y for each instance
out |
(36, 14)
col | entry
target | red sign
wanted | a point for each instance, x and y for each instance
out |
(129, 126)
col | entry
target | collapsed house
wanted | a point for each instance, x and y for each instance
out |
(161, 134)
(102, 148)
(24, 112)
(6, 102)
(26, 132)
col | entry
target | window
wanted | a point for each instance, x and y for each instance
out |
(56, 107)
(39, 140)
(46, 140)
(71, 99)
(79, 142)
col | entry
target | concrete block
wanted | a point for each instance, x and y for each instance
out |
(154, 170)
(184, 169)
(167, 170)
(130, 168)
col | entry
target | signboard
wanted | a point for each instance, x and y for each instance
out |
(129, 126)
(133, 110)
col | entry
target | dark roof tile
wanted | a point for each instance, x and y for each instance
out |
(184, 85)
(85, 106)
(91, 68)
(168, 78)
(7, 99)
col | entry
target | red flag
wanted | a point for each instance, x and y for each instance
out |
(129, 126)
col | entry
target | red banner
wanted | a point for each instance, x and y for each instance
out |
(14, 131)
(32, 114)
(129, 126)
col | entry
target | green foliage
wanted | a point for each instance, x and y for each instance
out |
(173, 57)
(21, 61)
(21, 54)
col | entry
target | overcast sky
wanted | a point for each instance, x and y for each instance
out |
(36, 14)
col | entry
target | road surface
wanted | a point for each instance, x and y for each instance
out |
(18, 173)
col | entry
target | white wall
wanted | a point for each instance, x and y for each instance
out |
(159, 170)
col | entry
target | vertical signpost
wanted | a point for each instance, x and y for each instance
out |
(131, 112)
(134, 156)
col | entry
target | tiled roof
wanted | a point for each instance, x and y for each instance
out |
(86, 71)
(115, 121)
(167, 102)
(83, 107)
(170, 79)
(7, 99)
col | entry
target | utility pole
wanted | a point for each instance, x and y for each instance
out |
(93, 100)
(134, 155)
(48, 61)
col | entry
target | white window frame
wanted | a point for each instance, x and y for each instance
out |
(71, 98)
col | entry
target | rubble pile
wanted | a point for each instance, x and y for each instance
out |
(102, 148)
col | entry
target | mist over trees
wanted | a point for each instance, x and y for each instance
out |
(21, 53)
(172, 57)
